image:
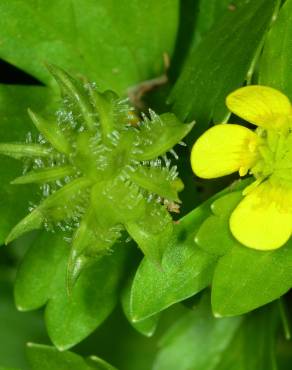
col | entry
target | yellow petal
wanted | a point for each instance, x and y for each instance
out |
(261, 105)
(263, 219)
(224, 149)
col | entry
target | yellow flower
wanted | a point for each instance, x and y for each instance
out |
(263, 219)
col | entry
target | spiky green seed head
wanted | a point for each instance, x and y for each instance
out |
(100, 173)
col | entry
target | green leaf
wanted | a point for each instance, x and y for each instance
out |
(275, 65)
(146, 327)
(49, 358)
(253, 346)
(14, 126)
(220, 240)
(198, 341)
(71, 318)
(16, 328)
(114, 43)
(245, 279)
(185, 269)
(99, 364)
(36, 274)
(209, 11)
(219, 64)
(42, 277)
(197, 17)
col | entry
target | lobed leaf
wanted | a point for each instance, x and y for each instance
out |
(219, 65)
(185, 268)
(146, 327)
(71, 318)
(36, 273)
(245, 279)
(42, 278)
(49, 358)
(198, 341)
(16, 328)
(116, 44)
(275, 63)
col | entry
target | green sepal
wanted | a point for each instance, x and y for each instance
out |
(105, 104)
(157, 180)
(148, 223)
(52, 209)
(70, 88)
(83, 158)
(159, 135)
(51, 132)
(84, 236)
(74, 269)
(63, 202)
(44, 175)
(32, 221)
(19, 151)
(90, 242)
(118, 201)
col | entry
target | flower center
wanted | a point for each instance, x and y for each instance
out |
(275, 157)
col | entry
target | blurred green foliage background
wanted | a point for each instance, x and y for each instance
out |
(207, 48)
